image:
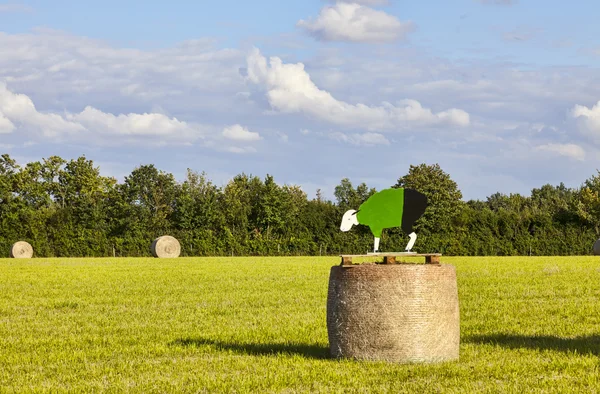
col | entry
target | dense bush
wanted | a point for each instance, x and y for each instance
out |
(66, 208)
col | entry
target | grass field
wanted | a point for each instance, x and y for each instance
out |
(258, 325)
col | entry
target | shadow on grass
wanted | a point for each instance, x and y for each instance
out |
(589, 344)
(308, 351)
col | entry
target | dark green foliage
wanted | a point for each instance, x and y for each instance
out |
(66, 208)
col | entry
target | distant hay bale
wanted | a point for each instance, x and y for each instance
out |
(597, 247)
(165, 247)
(21, 250)
(400, 313)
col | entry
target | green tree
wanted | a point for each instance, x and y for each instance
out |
(350, 198)
(240, 200)
(436, 225)
(443, 196)
(269, 208)
(199, 215)
(144, 208)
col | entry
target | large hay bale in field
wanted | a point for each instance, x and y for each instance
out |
(398, 313)
(21, 250)
(165, 247)
(597, 247)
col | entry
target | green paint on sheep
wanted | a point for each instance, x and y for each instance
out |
(382, 210)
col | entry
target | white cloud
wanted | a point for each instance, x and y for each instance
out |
(356, 23)
(367, 139)
(15, 8)
(196, 84)
(283, 136)
(588, 119)
(304, 131)
(570, 150)
(147, 124)
(6, 126)
(73, 66)
(290, 90)
(537, 127)
(240, 150)
(91, 123)
(240, 133)
(18, 108)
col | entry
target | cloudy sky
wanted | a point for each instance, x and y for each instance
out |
(503, 94)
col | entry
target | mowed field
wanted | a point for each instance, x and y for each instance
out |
(255, 324)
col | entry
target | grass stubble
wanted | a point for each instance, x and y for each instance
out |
(257, 324)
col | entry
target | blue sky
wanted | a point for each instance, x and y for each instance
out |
(445, 27)
(501, 93)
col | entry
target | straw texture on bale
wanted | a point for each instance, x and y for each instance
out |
(400, 313)
(165, 247)
(597, 247)
(21, 250)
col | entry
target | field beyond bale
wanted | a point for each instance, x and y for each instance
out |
(254, 324)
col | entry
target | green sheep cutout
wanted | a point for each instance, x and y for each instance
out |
(388, 208)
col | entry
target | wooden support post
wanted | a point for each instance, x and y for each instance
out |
(391, 257)
(432, 259)
(346, 260)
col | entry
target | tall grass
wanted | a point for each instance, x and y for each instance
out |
(258, 325)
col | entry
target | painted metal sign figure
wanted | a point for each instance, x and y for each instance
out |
(388, 208)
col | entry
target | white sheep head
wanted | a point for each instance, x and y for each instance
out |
(349, 220)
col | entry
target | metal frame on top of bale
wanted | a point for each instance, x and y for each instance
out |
(393, 312)
(390, 257)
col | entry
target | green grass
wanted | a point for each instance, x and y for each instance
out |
(258, 325)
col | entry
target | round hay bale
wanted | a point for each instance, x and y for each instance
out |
(597, 247)
(21, 250)
(398, 313)
(165, 247)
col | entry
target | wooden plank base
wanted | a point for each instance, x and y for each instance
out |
(390, 257)
(432, 259)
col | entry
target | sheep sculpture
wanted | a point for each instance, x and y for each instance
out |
(388, 208)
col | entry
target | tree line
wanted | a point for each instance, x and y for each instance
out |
(68, 209)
